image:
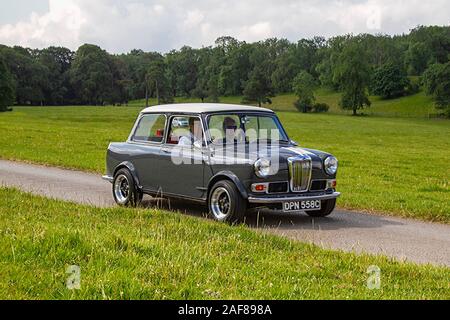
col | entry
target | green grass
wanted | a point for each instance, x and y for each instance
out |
(386, 164)
(152, 254)
(414, 106)
(398, 166)
(417, 106)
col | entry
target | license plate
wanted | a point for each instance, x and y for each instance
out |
(308, 205)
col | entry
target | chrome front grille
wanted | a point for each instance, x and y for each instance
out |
(300, 170)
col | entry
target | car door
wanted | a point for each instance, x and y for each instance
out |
(183, 163)
(145, 150)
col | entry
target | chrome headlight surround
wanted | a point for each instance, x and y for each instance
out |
(262, 167)
(330, 165)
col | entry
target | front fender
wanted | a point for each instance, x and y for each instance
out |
(228, 175)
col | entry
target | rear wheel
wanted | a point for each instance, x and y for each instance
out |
(124, 189)
(327, 208)
(225, 203)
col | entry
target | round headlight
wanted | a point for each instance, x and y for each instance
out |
(262, 167)
(331, 165)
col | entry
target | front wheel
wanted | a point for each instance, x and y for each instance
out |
(327, 208)
(225, 203)
(125, 191)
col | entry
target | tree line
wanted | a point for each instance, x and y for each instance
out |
(356, 65)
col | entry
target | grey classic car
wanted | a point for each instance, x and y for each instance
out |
(230, 157)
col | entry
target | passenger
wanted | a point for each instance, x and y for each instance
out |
(194, 134)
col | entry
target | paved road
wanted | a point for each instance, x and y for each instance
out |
(403, 239)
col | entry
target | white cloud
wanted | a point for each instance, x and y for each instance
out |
(193, 19)
(61, 25)
(257, 31)
(120, 26)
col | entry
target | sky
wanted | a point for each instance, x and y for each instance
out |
(162, 25)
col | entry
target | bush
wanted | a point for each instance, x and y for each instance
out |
(303, 106)
(413, 87)
(320, 107)
(389, 81)
(316, 108)
(303, 87)
(436, 80)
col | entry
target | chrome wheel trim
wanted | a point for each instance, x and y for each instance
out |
(220, 203)
(122, 189)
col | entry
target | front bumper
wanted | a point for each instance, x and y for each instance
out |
(281, 199)
(108, 178)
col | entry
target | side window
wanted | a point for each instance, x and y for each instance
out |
(185, 130)
(150, 128)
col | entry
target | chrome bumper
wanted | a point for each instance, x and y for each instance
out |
(268, 200)
(108, 178)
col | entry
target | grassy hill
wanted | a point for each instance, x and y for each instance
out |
(154, 254)
(418, 105)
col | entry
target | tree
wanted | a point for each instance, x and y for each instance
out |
(352, 72)
(303, 87)
(284, 73)
(209, 68)
(135, 66)
(201, 90)
(257, 88)
(30, 76)
(92, 75)
(234, 68)
(389, 81)
(58, 61)
(436, 80)
(183, 66)
(7, 94)
(427, 45)
(230, 67)
(155, 79)
(417, 58)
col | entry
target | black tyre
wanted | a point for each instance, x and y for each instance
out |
(327, 208)
(225, 202)
(124, 189)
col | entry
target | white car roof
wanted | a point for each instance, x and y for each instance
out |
(202, 108)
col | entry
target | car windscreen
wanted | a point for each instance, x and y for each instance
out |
(245, 128)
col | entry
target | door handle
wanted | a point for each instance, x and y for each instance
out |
(165, 150)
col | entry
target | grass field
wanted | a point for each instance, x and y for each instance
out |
(152, 254)
(394, 165)
(416, 106)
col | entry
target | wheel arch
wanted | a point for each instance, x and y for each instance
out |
(230, 176)
(128, 165)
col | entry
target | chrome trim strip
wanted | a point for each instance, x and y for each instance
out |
(293, 198)
(165, 195)
(108, 178)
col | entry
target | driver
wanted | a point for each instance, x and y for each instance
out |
(229, 128)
